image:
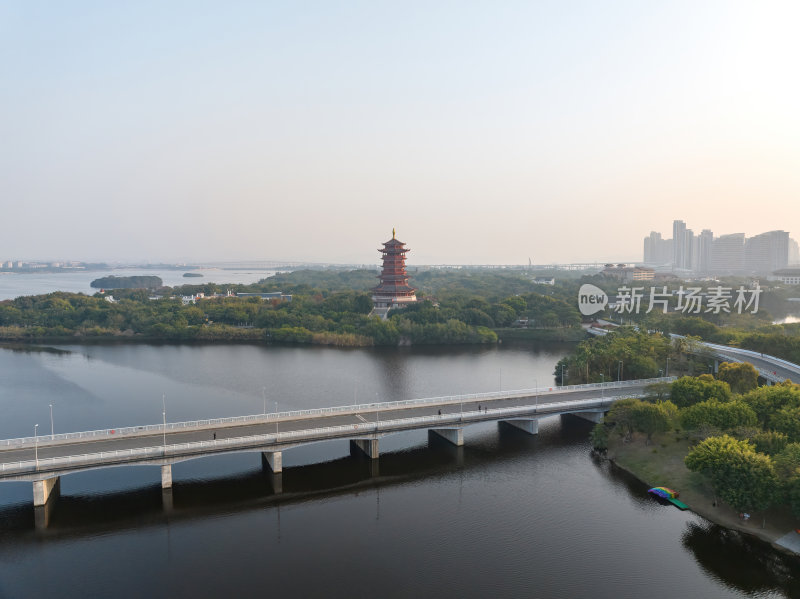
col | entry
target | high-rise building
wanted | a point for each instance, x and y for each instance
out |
(701, 251)
(727, 254)
(767, 252)
(794, 252)
(678, 244)
(657, 251)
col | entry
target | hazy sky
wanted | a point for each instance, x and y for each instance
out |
(485, 132)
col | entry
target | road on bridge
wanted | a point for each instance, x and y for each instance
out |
(231, 430)
(762, 363)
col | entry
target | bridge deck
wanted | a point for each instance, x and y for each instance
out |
(32, 458)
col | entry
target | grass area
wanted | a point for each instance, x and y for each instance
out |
(660, 464)
(657, 464)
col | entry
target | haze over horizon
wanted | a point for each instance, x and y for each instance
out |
(485, 133)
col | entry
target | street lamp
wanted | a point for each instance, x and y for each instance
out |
(667, 373)
(619, 371)
(276, 416)
(164, 419)
(264, 395)
(536, 386)
(52, 431)
(603, 384)
(36, 444)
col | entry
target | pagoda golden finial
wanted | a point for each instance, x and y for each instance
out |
(392, 232)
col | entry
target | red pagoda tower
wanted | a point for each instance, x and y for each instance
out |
(394, 290)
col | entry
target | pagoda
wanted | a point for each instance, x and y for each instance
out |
(394, 290)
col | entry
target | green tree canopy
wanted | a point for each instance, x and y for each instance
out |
(741, 376)
(687, 390)
(717, 415)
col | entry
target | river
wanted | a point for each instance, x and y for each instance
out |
(507, 515)
(16, 284)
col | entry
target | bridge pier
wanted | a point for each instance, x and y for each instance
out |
(367, 446)
(167, 501)
(44, 489)
(454, 435)
(529, 425)
(273, 460)
(166, 476)
(42, 515)
(590, 416)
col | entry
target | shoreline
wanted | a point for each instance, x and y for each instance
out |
(702, 504)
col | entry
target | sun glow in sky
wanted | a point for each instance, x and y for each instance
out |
(484, 132)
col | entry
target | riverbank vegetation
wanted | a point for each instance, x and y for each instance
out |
(326, 308)
(739, 449)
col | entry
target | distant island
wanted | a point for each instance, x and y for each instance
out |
(192, 274)
(137, 282)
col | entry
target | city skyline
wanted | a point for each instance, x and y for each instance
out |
(705, 253)
(154, 132)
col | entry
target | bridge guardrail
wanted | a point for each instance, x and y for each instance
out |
(747, 352)
(177, 450)
(310, 413)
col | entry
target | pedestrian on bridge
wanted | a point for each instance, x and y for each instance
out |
(215, 436)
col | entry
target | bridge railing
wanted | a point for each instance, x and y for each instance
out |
(747, 352)
(178, 450)
(310, 413)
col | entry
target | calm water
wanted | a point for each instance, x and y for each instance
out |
(14, 284)
(507, 515)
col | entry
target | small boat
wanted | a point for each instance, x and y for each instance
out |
(663, 492)
(668, 495)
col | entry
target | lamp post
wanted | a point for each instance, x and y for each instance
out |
(52, 430)
(276, 417)
(619, 371)
(264, 396)
(536, 386)
(667, 372)
(603, 384)
(164, 419)
(36, 444)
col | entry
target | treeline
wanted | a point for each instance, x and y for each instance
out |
(315, 315)
(134, 282)
(627, 353)
(622, 355)
(782, 341)
(745, 440)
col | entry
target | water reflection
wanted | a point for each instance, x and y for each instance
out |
(740, 561)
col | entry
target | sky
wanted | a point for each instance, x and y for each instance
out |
(484, 132)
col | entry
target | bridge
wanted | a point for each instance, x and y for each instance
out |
(770, 368)
(45, 458)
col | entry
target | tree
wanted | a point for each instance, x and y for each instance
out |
(787, 420)
(787, 462)
(687, 390)
(741, 376)
(743, 478)
(770, 443)
(654, 418)
(717, 415)
(767, 400)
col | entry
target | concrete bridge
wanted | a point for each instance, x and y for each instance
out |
(770, 368)
(43, 459)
